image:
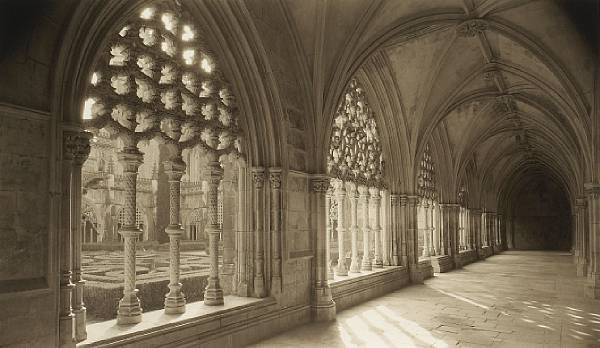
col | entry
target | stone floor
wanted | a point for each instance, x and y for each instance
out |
(516, 299)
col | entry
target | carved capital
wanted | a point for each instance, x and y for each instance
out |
(319, 184)
(581, 202)
(76, 146)
(471, 28)
(175, 168)
(275, 179)
(130, 158)
(592, 190)
(258, 177)
(215, 173)
(394, 200)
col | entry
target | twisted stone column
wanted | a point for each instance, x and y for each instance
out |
(275, 178)
(364, 200)
(340, 196)
(353, 195)
(581, 245)
(323, 307)
(259, 255)
(175, 299)
(328, 195)
(79, 157)
(130, 310)
(396, 237)
(213, 293)
(66, 317)
(376, 201)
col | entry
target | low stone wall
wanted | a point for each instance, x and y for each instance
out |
(426, 269)
(101, 299)
(468, 256)
(356, 290)
(442, 264)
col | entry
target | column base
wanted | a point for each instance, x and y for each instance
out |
(355, 266)
(378, 263)
(65, 325)
(341, 270)
(366, 265)
(457, 262)
(395, 260)
(213, 297)
(130, 310)
(324, 308)
(415, 275)
(80, 321)
(175, 302)
(276, 286)
(581, 268)
(259, 286)
(592, 286)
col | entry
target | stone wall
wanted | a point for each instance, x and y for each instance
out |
(27, 292)
(542, 218)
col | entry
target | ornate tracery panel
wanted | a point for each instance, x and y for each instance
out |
(355, 161)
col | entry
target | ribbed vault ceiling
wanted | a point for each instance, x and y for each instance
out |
(490, 81)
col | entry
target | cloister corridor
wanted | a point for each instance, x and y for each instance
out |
(514, 299)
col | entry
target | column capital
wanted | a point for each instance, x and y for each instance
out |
(375, 194)
(130, 158)
(581, 202)
(174, 168)
(76, 145)
(339, 189)
(592, 190)
(275, 178)
(412, 200)
(320, 183)
(394, 200)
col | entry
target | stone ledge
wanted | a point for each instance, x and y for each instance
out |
(199, 323)
(467, 257)
(426, 269)
(358, 288)
(442, 264)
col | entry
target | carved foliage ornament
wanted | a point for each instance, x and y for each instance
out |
(426, 178)
(355, 153)
(158, 80)
(76, 146)
(471, 28)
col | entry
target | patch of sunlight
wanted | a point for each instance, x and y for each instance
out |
(360, 329)
(573, 309)
(579, 324)
(391, 332)
(574, 316)
(345, 337)
(594, 321)
(528, 320)
(534, 307)
(464, 299)
(412, 328)
(580, 333)
(594, 314)
(546, 327)
(576, 337)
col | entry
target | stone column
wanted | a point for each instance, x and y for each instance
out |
(581, 236)
(592, 288)
(396, 237)
(175, 299)
(483, 229)
(364, 199)
(412, 240)
(425, 229)
(476, 224)
(79, 158)
(328, 196)
(66, 317)
(385, 229)
(353, 195)
(130, 310)
(376, 228)
(340, 196)
(244, 236)
(403, 231)
(275, 178)
(444, 232)
(453, 231)
(213, 293)
(259, 279)
(431, 229)
(435, 235)
(500, 231)
(323, 307)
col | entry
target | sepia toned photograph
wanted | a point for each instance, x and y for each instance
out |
(299, 173)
